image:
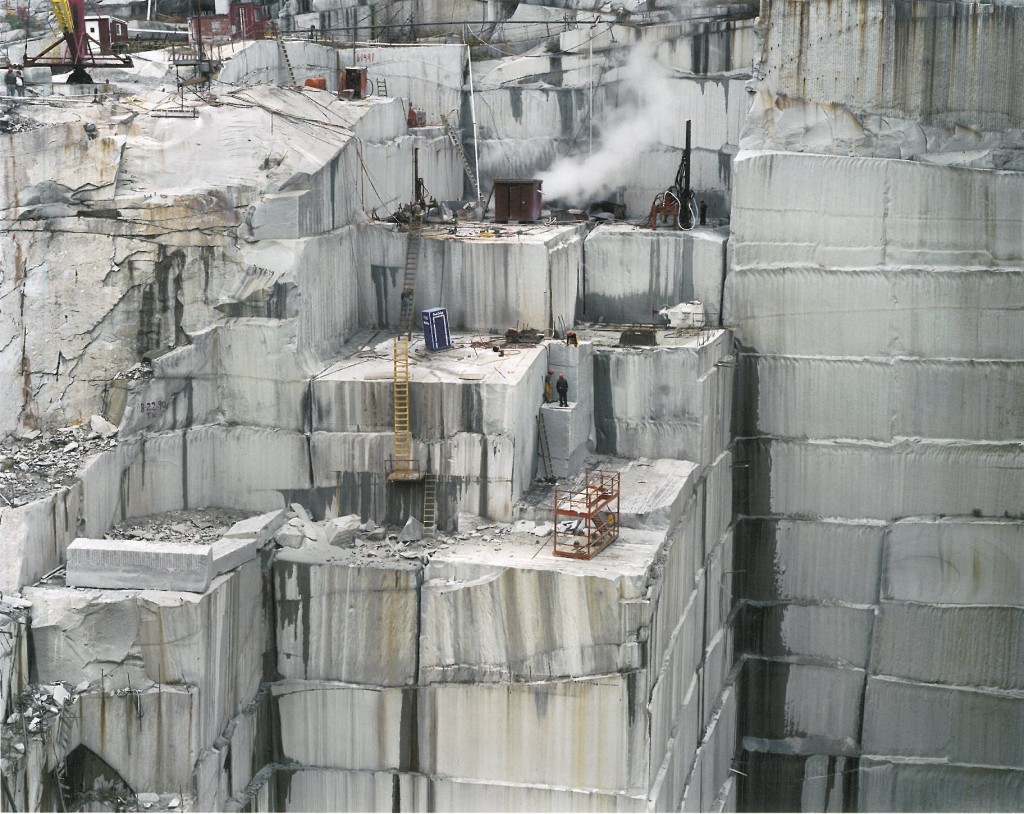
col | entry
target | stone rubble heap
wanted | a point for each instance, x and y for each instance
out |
(35, 463)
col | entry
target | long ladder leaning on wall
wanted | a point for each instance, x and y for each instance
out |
(403, 467)
(284, 54)
(453, 137)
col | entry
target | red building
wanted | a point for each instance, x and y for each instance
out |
(110, 32)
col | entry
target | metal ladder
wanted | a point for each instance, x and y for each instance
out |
(284, 53)
(64, 727)
(412, 263)
(430, 506)
(402, 468)
(453, 137)
(545, 451)
(402, 464)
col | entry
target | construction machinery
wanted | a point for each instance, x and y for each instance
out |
(673, 207)
(81, 50)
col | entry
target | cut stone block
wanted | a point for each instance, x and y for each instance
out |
(325, 723)
(345, 621)
(342, 531)
(230, 553)
(976, 646)
(926, 786)
(139, 564)
(262, 526)
(954, 724)
(963, 562)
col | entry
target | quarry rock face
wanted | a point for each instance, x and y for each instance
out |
(227, 586)
(872, 421)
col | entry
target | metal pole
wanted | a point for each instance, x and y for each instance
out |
(684, 205)
(472, 112)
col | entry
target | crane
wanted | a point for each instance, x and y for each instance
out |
(81, 50)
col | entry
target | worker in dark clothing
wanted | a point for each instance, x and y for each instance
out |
(9, 81)
(549, 396)
(562, 386)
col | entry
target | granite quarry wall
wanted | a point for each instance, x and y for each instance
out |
(847, 642)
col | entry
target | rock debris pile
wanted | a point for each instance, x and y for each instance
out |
(33, 464)
(198, 526)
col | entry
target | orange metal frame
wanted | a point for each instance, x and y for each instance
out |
(596, 506)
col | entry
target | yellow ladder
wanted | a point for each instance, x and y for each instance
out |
(62, 11)
(402, 461)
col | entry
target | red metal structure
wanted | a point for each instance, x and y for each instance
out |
(587, 519)
(80, 51)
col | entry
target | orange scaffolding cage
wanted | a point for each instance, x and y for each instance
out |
(587, 519)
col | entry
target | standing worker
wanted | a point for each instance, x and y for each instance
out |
(562, 386)
(19, 82)
(548, 395)
(9, 81)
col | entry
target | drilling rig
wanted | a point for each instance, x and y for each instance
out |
(81, 51)
(672, 207)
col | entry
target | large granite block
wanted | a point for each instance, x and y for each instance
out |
(877, 312)
(790, 559)
(34, 537)
(476, 623)
(567, 430)
(631, 273)
(230, 553)
(967, 646)
(955, 724)
(962, 562)
(260, 527)
(780, 781)
(593, 730)
(856, 479)
(212, 641)
(139, 564)
(834, 633)
(341, 726)
(928, 786)
(667, 401)
(151, 738)
(344, 620)
(811, 707)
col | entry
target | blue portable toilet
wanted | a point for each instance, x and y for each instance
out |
(435, 328)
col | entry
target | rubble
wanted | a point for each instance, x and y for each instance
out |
(199, 526)
(34, 464)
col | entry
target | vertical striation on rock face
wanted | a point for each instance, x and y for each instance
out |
(873, 301)
(197, 310)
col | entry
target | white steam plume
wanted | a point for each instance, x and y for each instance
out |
(641, 121)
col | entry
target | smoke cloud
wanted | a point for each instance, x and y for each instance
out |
(644, 116)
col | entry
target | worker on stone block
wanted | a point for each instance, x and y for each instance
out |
(549, 396)
(562, 386)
